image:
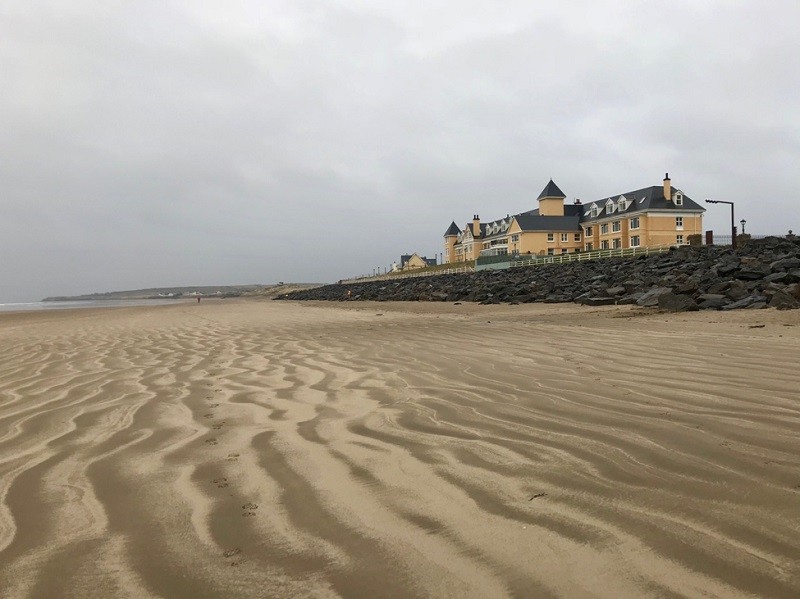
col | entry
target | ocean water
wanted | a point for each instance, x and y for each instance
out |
(36, 306)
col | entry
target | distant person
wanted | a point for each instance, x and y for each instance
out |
(198, 299)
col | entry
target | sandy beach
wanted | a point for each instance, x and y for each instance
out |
(278, 449)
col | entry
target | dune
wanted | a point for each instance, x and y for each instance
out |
(276, 449)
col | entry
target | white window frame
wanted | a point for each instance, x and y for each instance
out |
(564, 237)
(577, 238)
(679, 223)
(515, 238)
(551, 251)
(564, 250)
(631, 223)
(636, 241)
(604, 229)
(616, 226)
(679, 240)
(588, 231)
(551, 237)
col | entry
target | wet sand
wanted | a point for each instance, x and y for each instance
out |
(271, 449)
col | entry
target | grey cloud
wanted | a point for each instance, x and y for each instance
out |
(167, 143)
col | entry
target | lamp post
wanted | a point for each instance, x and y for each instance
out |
(733, 226)
(742, 222)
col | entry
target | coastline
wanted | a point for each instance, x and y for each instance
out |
(399, 449)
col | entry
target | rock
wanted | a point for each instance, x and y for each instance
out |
(650, 298)
(745, 302)
(785, 264)
(615, 291)
(673, 302)
(783, 301)
(597, 301)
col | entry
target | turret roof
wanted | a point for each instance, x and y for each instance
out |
(551, 190)
(452, 230)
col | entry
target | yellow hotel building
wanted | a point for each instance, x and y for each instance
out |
(655, 216)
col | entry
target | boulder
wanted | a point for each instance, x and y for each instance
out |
(650, 298)
(783, 301)
(674, 302)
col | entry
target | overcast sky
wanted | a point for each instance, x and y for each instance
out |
(157, 143)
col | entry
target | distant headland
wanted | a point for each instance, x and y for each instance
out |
(211, 291)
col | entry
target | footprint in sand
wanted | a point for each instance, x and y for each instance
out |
(211, 441)
(208, 415)
(232, 457)
(231, 552)
(248, 514)
(250, 506)
(217, 426)
(220, 482)
(214, 405)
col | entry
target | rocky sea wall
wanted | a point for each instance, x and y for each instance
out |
(763, 273)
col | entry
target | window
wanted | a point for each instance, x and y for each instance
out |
(603, 229)
(589, 247)
(594, 211)
(564, 237)
(447, 252)
(617, 243)
(679, 239)
(588, 231)
(577, 237)
(515, 238)
(616, 226)
(635, 222)
(679, 199)
(610, 207)
(634, 241)
(551, 237)
(564, 250)
(551, 251)
(679, 223)
(604, 244)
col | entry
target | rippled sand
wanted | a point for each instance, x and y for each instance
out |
(270, 449)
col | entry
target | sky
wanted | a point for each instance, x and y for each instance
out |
(165, 143)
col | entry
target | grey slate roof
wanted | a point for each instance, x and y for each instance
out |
(534, 222)
(551, 190)
(647, 198)
(452, 229)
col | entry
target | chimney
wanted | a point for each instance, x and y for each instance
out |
(667, 188)
(577, 202)
(476, 226)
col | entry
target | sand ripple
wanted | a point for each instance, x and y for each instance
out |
(276, 450)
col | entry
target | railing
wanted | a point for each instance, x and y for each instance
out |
(390, 276)
(590, 255)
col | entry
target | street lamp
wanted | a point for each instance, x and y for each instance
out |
(733, 226)
(742, 222)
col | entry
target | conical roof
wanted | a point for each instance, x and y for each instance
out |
(452, 230)
(551, 190)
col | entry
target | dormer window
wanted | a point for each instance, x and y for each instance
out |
(622, 203)
(594, 211)
(679, 199)
(609, 206)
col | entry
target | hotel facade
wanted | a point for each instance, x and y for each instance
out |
(655, 216)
